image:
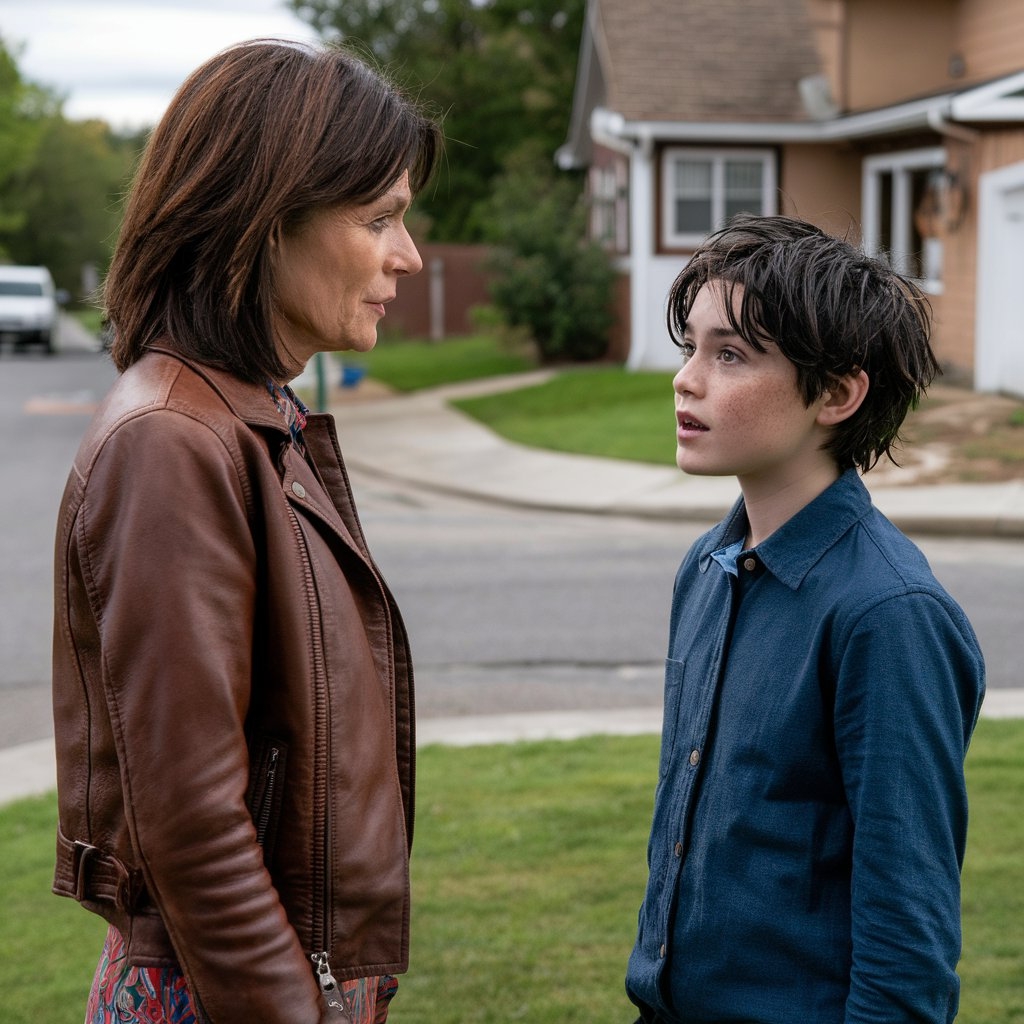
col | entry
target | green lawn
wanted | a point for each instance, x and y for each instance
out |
(410, 365)
(603, 410)
(527, 875)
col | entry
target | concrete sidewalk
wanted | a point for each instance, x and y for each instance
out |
(28, 769)
(421, 439)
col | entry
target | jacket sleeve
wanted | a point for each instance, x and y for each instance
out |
(908, 694)
(171, 568)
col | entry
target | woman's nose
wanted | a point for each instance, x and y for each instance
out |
(407, 258)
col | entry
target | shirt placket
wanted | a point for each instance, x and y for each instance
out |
(682, 784)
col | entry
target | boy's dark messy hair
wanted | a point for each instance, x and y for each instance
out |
(831, 310)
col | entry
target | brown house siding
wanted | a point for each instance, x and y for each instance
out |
(895, 50)
(989, 37)
(822, 184)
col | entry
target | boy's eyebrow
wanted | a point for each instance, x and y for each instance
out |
(719, 332)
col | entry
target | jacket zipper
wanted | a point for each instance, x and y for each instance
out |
(394, 619)
(267, 803)
(320, 929)
(328, 986)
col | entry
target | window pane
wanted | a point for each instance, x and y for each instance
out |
(693, 216)
(915, 262)
(743, 176)
(693, 184)
(20, 288)
(693, 178)
(734, 205)
(743, 187)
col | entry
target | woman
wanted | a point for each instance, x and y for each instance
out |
(232, 687)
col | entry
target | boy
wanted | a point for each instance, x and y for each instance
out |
(821, 686)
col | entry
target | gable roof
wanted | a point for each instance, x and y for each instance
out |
(703, 60)
(734, 71)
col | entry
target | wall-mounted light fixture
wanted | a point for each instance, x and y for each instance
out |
(943, 204)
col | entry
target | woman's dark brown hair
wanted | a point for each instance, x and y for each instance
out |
(256, 140)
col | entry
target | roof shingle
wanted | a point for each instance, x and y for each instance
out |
(706, 60)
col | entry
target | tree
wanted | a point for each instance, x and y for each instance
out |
(61, 181)
(500, 73)
(70, 197)
(548, 278)
(23, 110)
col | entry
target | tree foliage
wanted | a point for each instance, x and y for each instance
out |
(548, 278)
(71, 198)
(61, 182)
(23, 108)
(500, 73)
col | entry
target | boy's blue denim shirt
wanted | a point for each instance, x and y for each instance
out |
(811, 813)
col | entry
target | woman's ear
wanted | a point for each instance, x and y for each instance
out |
(843, 398)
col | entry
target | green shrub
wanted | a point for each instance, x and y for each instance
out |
(547, 277)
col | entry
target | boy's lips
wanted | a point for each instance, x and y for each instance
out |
(687, 422)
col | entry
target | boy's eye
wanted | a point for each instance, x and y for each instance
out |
(686, 350)
(728, 356)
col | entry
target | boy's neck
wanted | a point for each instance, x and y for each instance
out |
(772, 502)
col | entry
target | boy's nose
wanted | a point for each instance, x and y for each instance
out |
(686, 379)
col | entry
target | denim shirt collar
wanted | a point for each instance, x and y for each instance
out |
(796, 546)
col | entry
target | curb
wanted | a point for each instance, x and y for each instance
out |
(29, 769)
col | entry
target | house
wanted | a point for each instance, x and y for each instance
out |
(899, 125)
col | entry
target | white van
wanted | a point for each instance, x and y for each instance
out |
(28, 306)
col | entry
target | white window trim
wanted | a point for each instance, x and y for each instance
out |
(672, 239)
(897, 164)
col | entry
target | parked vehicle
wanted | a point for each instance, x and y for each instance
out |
(28, 307)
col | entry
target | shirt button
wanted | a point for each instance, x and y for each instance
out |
(750, 564)
(694, 758)
(678, 849)
(661, 952)
(298, 490)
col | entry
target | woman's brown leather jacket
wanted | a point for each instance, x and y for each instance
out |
(232, 699)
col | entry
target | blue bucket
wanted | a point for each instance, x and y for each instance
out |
(352, 375)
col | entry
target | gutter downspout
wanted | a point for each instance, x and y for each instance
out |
(938, 122)
(608, 129)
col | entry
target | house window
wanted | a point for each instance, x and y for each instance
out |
(895, 193)
(608, 214)
(702, 189)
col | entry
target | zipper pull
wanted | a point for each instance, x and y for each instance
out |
(329, 986)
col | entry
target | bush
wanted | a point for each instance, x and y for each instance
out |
(547, 277)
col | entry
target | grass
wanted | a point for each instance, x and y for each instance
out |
(89, 317)
(408, 365)
(617, 413)
(603, 410)
(527, 875)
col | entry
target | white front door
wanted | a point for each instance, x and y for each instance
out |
(999, 363)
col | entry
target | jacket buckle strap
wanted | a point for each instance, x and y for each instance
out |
(100, 876)
(81, 854)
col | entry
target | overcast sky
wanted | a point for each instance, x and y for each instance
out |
(122, 60)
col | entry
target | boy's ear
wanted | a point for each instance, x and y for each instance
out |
(843, 398)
